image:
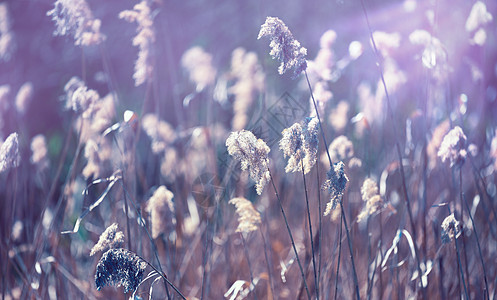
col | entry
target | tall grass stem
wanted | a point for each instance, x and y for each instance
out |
(291, 236)
(397, 147)
(331, 166)
(310, 232)
(487, 295)
(249, 265)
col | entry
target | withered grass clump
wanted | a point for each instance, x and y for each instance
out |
(120, 267)
(249, 218)
(110, 238)
(253, 155)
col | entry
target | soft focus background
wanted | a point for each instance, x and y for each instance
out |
(205, 74)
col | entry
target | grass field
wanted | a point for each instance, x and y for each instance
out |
(248, 150)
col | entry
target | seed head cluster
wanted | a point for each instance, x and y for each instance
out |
(98, 154)
(300, 144)
(453, 147)
(252, 154)
(373, 201)
(161, 209)
(9, 153)
(110, 238)
(160, 132)
(24, 97)
(75, 17)
(450, 229)
(120, 267)
(198, 64)
(144, 40)
(249, 76)
(284, 46)
(341, 148)
(7, 40)
(79, 98)
(335, 186)
(40, 153)
(248, 217)
(478, 16)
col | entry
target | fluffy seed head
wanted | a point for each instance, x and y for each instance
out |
(144, 40)
(341, 148)
(283, 46)
(453, 147)
(95, 156)
(248, 217)
(247, 72)
(478, 16)
(373, 201)
(71, 86)
(40, 153)
(24, 97)
(448, 226)
(386, 42)
(300, 144)
(493, 149)
(120, 267)
(335, 186)
(198, 64)
(160, 132)
(110, 238)
(161, 209)
(338, 117)
(252, 154)
(84, 100)
(291, 145)
(434, 55)
(9, 153)
(79, 98)
(75, 17)
(369, 189)
(7, 44)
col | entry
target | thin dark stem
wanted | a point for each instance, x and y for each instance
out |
(463, 235)
(291, 236)
(5, 268)
(319, 119)
(204, 261)
(249, 265)
(370, 288)
(459, 262)
(310, 232)
(479, 177)
(369, 256)
(320, 238)
(339, 255)
(127, 220)
(270, 273)
(381, 254)
(441, 278)
(423, 200)
(329, 158)
(397, 279)
(397, 147)
(126, 210)
(356, 282)
(206, 275)
(154, 247)
(126, 194)
(476, 235)
(161, 274)
(465, 253)
(55, 181)
(39, 241)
